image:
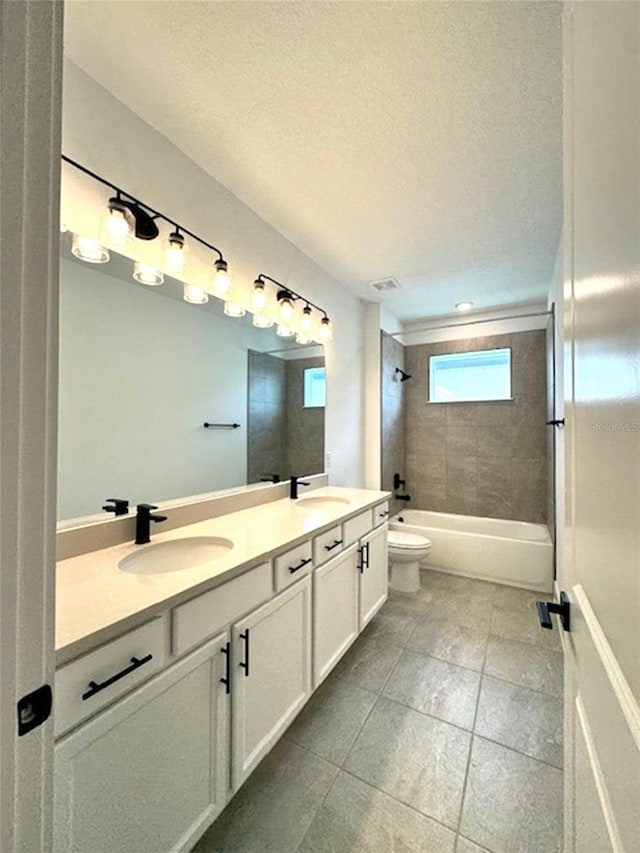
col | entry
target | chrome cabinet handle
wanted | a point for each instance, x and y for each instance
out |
(95, 687)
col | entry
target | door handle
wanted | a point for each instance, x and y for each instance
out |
(563, 609)
(559, 422)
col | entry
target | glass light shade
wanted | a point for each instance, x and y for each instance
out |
(117, 223)
(146, 274)
(194, 295)
(285, 331)
(175, 252)
(326, 330)
(221, 279)
(89, 250)
(259, 296)
(286, 310)
(302, 339)
(306, 321)
(261, 322)
(232, 309)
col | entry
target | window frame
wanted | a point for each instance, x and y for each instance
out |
(305, 370)
(509, 349)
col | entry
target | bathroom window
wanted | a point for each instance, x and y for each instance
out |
(315, 387)
(463, 376)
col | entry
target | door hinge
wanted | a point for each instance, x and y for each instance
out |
(34, 709)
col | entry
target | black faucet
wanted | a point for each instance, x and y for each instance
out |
(120, 506)
(403, 497)
(293, 490)
(270, 478)
(143, 522)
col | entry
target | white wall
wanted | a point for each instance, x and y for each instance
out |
(102, 134)
(139, 374)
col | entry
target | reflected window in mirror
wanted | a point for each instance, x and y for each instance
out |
(315, 387)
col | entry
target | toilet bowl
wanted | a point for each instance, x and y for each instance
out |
(406, 550)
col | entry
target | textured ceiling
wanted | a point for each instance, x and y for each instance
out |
(415, 140)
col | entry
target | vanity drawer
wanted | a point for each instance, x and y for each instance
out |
(327, 545)
(87, 684)
(357, 527)
(380, 513)
(292, 565)
(204, 616)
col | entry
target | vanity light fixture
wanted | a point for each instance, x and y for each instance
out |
(232, 309)
(290, 324)
(128, 216)
(326, 329)
(194, 295)
(262, 322)
(146, 274)
(285, 301)
(89, 250)
(301, 338)
(464, 306)
(175, 250)
(259, 295)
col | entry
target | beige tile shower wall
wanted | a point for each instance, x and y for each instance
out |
(305, 427)
(486, 459)
(393, 415)
(266, 450)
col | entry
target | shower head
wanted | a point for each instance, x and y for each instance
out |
(403, 376)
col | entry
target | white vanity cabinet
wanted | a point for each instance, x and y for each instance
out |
(335, 611)
(151, 772)
(374, 573)
(271, 655)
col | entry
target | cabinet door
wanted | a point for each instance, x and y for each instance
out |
(149, 774)
(335, 611)
(374, 575)
(272, 674)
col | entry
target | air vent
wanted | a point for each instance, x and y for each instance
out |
(384, 284)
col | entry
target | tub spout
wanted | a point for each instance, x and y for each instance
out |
(403, 497)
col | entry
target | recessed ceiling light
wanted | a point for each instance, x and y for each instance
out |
(464, 306)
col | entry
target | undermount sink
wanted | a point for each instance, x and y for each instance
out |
(175, 555)
(321, 502)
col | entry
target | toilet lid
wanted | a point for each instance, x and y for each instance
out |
(400, 539)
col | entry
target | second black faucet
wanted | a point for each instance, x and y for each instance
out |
(144, 518)
(293, 487)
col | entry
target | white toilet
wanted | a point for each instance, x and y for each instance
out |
(406, 550)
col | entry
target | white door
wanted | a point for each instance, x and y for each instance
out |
(271, 674)
(149, 774)
(30, 106)
(374, 574)
(335, 611)
(601, 566)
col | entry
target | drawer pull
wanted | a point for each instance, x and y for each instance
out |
(301, 565)
(363, 553)
(94, 687)
(227, 676)
(244, 635)
(384, 514)
(336, 542)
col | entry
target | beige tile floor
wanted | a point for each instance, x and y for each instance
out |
(440, 731)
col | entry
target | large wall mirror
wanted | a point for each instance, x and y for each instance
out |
(142, 371)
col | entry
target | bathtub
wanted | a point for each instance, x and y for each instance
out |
(510, 552)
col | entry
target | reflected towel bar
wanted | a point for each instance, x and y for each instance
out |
(221, 426)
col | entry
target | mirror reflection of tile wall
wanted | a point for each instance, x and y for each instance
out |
(284, 437)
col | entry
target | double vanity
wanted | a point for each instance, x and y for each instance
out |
(182, 662)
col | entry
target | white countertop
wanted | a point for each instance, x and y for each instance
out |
(94, 596)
